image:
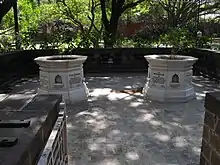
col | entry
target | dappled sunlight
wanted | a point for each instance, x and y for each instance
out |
(97, 125)
(128, 87)
(155, 122)
(129, 98)
(94, 146)
(167, 127)
(140, 100)
(177, 119)
(94, 114)
(104, 78)
(119, 128)
(20, 96)
(174, 124)
(3, 96)
(180, 141)
(145, 117)
(162, 137)
(138, 94)
(117, 96)
(135, 104)
(132, 155)
(114, 132)
(142, 110)
(196, 150)
(98, 141)
(200, 96)
(110, 162)
(100, 92)
(207, 91)
(95, 120)
(114, 116)
(197, 85)
(70, 126)
(123, 127)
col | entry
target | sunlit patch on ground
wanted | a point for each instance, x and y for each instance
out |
(120, 127)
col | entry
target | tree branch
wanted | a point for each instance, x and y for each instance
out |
(93, 16)
(5, 6)
(131, 5)
(71, 15)
(104, 15)
(92, 19)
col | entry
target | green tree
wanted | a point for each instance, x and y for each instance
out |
(179, 12)
(111, 13)
(5, 6)
(86, 16)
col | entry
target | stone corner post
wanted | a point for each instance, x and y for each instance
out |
(210, 151)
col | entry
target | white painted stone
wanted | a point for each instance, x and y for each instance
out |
(169, 80)
(63, 77)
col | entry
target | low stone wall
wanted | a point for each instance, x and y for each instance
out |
(41, 113)
(20, 63)
(118, 59)
(106, 60)
(208, 64)
(210, 152)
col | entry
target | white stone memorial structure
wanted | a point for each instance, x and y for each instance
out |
(63, 74)
(169, 80)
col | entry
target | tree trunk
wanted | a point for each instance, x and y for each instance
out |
(17, 38)
(5, 6)
(117, 8)
(110, 35)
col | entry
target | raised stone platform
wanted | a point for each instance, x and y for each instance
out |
(117, 127)
(29, 140)
(124, 128)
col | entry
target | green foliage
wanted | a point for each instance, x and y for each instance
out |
(6, 43)
(8, 20)
(49, 25)
(178, 38)
(29, 15)
(68, 24)
(204, 41)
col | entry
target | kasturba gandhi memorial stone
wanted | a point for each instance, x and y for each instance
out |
(63, 74)
(169, 79)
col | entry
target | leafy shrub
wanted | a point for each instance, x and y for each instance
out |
(178, 39)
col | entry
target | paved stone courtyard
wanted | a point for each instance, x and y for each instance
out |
(115, 128)
(126, 129)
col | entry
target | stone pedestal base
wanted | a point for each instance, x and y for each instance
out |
(169, 80)
(72, 96)
(63, 75)
(169, 95)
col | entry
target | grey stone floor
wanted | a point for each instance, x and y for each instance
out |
(125, 129)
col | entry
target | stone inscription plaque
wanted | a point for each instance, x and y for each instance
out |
(44, 82)
(75, 80)
(188, 78)
(158, 78)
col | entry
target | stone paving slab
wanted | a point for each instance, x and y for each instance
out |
(116, 128)
(41, 116)
(22, 92)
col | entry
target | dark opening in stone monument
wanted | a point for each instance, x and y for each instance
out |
(175, 78)
(58, 79)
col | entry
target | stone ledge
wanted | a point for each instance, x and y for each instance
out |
(42, 111)
(212, 102)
